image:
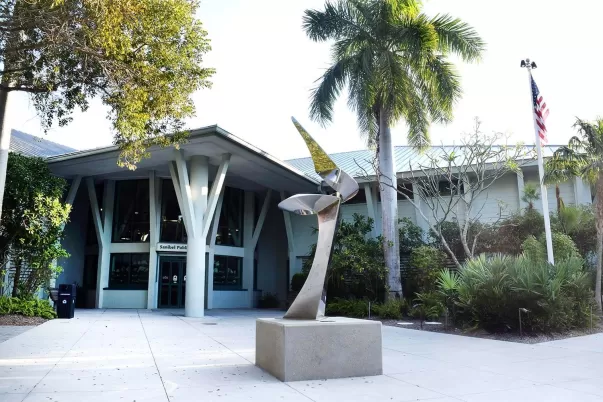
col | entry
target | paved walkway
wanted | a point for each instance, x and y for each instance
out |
(10, 331)
(142, 356)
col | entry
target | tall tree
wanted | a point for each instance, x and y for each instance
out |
(142, 58)
(393, 60)
(583, 157)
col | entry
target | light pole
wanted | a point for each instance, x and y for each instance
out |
(530, 65)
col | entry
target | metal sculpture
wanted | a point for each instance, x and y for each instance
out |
(310, 302)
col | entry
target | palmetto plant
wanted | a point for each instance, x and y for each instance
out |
(393, 60)
(583, 157)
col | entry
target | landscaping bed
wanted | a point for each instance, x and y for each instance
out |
(20, 320)
(415, 324)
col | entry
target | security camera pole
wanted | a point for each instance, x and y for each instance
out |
(540, 112)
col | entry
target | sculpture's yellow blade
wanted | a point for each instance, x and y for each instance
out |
(322, 163)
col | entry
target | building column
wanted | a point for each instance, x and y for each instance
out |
(249, 253)
(196, 246)
(370, 206)
(154, 228)
(520, 187)
(212, 253)
(421, 223)
(292, 255)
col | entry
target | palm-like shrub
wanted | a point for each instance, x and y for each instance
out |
(490, 292)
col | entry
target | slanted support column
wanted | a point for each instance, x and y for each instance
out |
(75, 185)
(154, 220)
(102, 227)
(212, 253)
(197, 205)
(291, 253)
(520, 187)
(251, 235)
(370, 205)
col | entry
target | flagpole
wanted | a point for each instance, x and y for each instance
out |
(543, 192)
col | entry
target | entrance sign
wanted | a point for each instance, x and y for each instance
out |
(177, 247)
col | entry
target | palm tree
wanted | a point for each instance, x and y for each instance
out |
(583, 157)
(393, 60)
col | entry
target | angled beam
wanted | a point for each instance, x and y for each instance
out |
(288, 227)
(173, 172)
(153, 224)
(216, 221)
(96, 217)
(75, 185)
(261, 219)
(214, 194)
(185, 188)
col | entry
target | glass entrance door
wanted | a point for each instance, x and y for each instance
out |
(172, 282)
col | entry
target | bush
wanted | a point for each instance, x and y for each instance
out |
(428, 305)
(29, 308)
(514, 230)
(357, 268)
(579, 223)
(269, 300)
(347, 308)
(392, 309)
(491, 291)
(298, 280)
(425, 264)
(563, 247)
(411, 236)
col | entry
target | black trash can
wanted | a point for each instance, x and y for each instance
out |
(66, 303)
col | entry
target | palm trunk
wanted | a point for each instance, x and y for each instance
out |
(599, 224)
(389, 207)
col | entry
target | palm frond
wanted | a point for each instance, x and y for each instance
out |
(338, 20)
(458, 37)
(324, 95)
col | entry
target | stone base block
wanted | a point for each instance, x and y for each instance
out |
(334, 347)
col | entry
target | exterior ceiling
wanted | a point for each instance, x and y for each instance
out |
(250, 168)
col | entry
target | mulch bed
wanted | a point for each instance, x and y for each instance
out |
(507, 336)
(20, 320)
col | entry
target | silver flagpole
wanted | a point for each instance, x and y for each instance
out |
(529, 65)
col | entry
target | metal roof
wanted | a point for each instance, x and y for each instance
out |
(29, 145)
(359, 164)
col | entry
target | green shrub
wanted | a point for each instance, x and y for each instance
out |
(347, 308)
(514, 230)
(29, 308)
(269, 300)
(491, 291)
(578, 223)
(563, 247)
(391, 309)
(428, 305)
(298, 280)
(425, 264)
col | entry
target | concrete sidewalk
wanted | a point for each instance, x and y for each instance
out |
(130, 355)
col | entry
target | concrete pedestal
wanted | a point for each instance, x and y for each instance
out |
(334, 347)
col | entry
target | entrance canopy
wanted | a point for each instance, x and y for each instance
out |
(250, 168)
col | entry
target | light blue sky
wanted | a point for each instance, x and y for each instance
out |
(266, 67)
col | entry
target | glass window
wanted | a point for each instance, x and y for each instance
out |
(172, 223)
(403, 188)
(230, 227)
(228, 272)
(129, 271)
(131, 213)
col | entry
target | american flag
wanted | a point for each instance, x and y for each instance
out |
(541, 112)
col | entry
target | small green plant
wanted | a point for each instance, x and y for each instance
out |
(391, 309)
(269, 300)
(563, 247)
(428, 305)
(530, 195)
(347, 308)
(28, 308)
(425, 264)
(298, 280)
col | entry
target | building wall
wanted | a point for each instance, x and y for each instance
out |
(74, 241)
(566, 191)
(502, 199)
(125, 298)
(272, 254)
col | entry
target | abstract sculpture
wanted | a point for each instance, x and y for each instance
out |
(310, 302)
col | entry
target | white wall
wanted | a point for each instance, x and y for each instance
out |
(502, 193)
(566, 191)
(125, 298)
(231, 299)
(74, 241)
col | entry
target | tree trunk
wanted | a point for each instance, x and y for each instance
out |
(599, 224)
(558, 196)
(389, 206)
(17, 278)
(5, 132)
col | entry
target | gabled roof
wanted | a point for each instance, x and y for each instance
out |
(30, 145)
(360, 164)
